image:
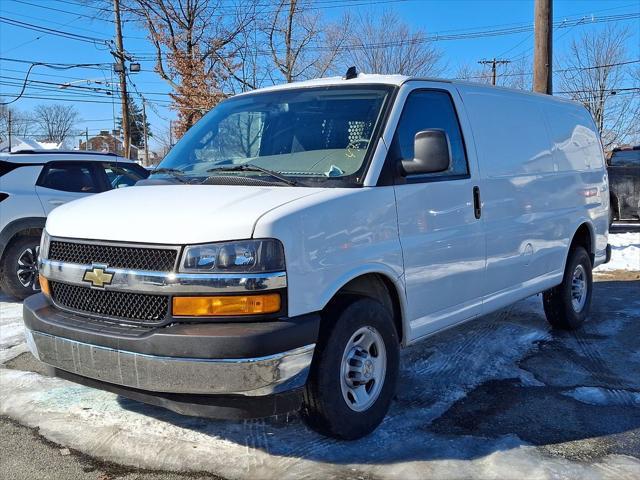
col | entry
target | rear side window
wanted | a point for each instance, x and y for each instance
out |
(423, 110)
(626, 158)
(69, 177)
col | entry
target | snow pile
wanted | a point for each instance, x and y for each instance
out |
(11, 329)
(604, 396)
(625, 252)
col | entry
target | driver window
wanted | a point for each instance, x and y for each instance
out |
(423, 110)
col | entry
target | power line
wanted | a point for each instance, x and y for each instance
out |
(487, 32)
(54, 64)
(494, 63)
(26, 78)
(53, 31)
(54, 9)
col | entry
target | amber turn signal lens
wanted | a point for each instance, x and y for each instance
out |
(44, 285)
(228, 305)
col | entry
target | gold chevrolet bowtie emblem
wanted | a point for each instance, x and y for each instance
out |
(97, 277)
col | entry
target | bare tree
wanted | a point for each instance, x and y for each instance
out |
(21, 123)
(193, 42)
(301, 44)
(289, 41)
(386, 44)
(595, 74)
(55, 122)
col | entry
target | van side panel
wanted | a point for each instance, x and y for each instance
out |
(577, 148)
(531, 206)
(516, 169)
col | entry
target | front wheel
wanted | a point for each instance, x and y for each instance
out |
(567, 305)
(353, 375)
(19, 267)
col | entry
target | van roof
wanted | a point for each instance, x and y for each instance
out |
(395, 80)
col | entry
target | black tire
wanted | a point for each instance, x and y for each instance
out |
(10, 283)
(325, 409)
(559, 307)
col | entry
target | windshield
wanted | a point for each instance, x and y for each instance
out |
(312, 135)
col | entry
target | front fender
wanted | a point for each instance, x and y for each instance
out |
(333, 237)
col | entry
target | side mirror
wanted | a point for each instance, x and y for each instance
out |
(431, 153)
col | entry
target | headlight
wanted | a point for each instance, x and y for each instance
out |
(44, 245)
(245, 256)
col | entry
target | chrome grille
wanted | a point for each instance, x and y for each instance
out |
(139, 307)
(115, 256)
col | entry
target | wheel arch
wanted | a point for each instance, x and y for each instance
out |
(380, 286)
(22, 226)
(584, 236)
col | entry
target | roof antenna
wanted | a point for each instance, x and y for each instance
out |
(351, 73)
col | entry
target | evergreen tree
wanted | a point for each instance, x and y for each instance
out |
(136, 124)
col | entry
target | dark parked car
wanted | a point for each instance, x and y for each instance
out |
(624, 181)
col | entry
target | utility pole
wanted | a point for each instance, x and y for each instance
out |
(86, 138)
(493, 64)
(146, 134)
(9, 127)
(119, 54)
(543, 52)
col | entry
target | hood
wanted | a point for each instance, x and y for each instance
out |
(171, 214)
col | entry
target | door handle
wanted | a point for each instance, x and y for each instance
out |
(56, 202)
(477, 205)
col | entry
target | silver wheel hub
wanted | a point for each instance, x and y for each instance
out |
(27, 271)
(363, 369)
(578, 288)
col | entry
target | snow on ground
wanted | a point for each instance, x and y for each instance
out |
(11, 329)
(603, 396)
(625, 252)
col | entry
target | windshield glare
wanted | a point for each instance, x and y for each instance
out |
(320, 134)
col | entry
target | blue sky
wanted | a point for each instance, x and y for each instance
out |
(432, 16)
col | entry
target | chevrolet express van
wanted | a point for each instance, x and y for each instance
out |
(297, 237)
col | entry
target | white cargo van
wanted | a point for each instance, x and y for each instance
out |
(298, 236)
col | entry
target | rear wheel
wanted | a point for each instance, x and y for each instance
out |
(19, 267)
(567, 305)
(354, 370)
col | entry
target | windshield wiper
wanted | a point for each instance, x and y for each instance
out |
(249, 167)
(174, 172)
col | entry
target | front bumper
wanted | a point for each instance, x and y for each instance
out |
(198, 360)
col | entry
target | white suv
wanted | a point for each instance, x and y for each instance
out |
(32, 183)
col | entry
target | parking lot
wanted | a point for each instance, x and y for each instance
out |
(501, 397)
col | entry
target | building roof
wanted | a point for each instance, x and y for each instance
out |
(41, 156)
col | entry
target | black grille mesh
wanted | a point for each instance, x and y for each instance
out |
(136, 258)
(128, 306)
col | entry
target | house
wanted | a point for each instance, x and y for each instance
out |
(153, 159)
(107, 141)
